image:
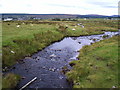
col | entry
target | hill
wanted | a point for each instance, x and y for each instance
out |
(22, 16)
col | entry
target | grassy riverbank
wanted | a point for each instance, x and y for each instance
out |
(97, 66)
(23, 38)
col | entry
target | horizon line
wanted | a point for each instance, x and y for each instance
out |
(57, 13)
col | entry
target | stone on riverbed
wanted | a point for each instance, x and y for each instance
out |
(79, 42)
(52, 69)
(43, 67)
(23, 77)
(53, 55)
(38, 58)
(60, 77)
(53, 60)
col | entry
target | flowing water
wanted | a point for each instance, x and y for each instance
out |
(47, 64)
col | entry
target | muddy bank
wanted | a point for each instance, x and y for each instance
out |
(48, 64)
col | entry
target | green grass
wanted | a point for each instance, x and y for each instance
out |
(97, 66)
(10, 81)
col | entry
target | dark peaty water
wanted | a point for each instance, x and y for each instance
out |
(47, 64)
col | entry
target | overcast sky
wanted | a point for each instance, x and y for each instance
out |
(102, 7)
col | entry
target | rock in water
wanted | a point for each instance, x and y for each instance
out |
(53, 55)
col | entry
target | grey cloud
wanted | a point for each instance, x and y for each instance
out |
(28, 5)
(103, 4)
(111, 6)
(60, 5)
(100, 3)
(67, 6)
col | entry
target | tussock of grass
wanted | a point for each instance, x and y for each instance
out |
(10, 81)
(98, 65)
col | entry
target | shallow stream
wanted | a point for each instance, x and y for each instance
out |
(47, 64)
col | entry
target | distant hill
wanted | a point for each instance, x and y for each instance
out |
(115, 15)
(22, 16)
(39, 16)
(92, 16)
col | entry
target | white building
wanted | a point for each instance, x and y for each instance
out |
(8, 19)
